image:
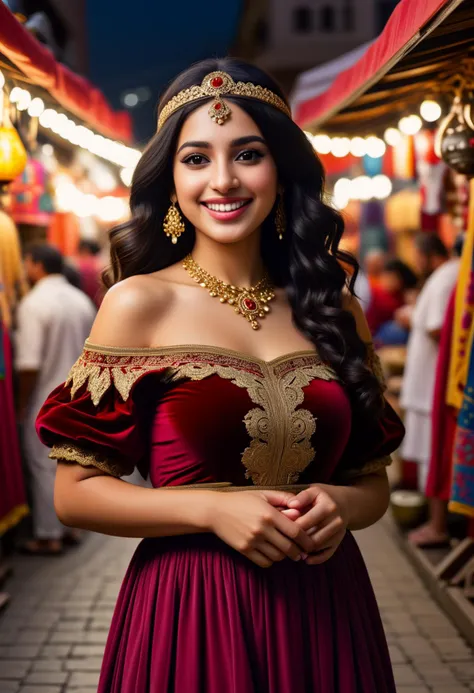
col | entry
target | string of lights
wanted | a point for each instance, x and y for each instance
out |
(76, 134)
(379, 186)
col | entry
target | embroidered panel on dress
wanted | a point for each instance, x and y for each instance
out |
(280, 447)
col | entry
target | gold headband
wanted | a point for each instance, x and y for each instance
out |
(218, 85)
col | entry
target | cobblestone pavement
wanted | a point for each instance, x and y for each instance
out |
(53, 634)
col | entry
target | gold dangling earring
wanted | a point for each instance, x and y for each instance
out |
(280, 219)
(173, 224)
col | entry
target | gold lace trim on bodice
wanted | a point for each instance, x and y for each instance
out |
(280, 433)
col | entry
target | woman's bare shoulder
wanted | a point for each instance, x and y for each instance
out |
(131, 310)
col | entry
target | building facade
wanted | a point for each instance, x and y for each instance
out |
(300, 34)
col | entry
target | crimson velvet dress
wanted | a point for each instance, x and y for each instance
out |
(193, 615)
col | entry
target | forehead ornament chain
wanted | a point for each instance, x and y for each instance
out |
(218, 85)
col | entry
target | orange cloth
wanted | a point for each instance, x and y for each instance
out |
(63, 232)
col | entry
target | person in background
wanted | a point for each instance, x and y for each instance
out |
(90, 270)
(432, 261)
(435, 532)
(429, 253)
(54, 320)
(72, 274)
(389, 294)
(374, 263)
(363, 290)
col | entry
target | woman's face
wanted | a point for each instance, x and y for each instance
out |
(225, 177)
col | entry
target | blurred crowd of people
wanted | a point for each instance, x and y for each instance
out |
(408, 308)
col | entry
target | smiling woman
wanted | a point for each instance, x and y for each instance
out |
(225, 178)
(306, 262)
(274, 440)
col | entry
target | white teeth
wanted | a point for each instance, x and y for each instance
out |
(230, 207)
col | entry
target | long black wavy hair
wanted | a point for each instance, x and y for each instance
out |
(307, 263)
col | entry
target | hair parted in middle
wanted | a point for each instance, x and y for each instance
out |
(307, 262)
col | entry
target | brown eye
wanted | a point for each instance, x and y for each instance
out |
(195, 160)
(250, 155)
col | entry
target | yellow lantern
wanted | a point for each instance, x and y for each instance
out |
(12, 155)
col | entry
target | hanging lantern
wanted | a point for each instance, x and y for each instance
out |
(455, 138)
(12, 155)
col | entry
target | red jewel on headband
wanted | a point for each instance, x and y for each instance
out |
(217, 107)
(217, 82)
(249, 304)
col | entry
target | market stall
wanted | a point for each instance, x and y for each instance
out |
(395, 128)
(398, 87)
(66, 161)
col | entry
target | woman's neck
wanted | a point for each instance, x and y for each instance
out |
(239, 264)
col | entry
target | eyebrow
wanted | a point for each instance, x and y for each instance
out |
(235, 143)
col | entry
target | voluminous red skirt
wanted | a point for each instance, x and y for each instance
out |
(194, 616)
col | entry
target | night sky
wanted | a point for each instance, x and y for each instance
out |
(145, 43)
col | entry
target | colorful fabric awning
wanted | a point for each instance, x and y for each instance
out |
(75, 93)
(412, 22)
(317, 80)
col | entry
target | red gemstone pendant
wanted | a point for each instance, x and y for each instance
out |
(219, 111)
(249, 304)
(217, 82)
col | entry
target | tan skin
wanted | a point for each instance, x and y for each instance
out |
(169, 308)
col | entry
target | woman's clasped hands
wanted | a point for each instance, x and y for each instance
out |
(269, 526)
(324, 520)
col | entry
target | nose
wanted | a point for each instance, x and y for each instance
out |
(223, 177)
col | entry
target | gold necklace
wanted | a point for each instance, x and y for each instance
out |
(250, 303)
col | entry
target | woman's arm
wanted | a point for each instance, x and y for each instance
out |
(364, 502)
(250, 522)
(89, 499)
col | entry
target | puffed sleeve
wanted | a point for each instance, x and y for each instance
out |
(372, 442)
(100, 416)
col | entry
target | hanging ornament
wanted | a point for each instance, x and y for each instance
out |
(12, 154)
(455, 138)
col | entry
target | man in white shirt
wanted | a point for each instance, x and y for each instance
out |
(54, 320)
(420, 367)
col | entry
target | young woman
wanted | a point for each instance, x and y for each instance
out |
(231, 363)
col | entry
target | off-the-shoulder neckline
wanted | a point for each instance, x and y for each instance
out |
(197, 349)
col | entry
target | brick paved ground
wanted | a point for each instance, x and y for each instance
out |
(52, 636)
